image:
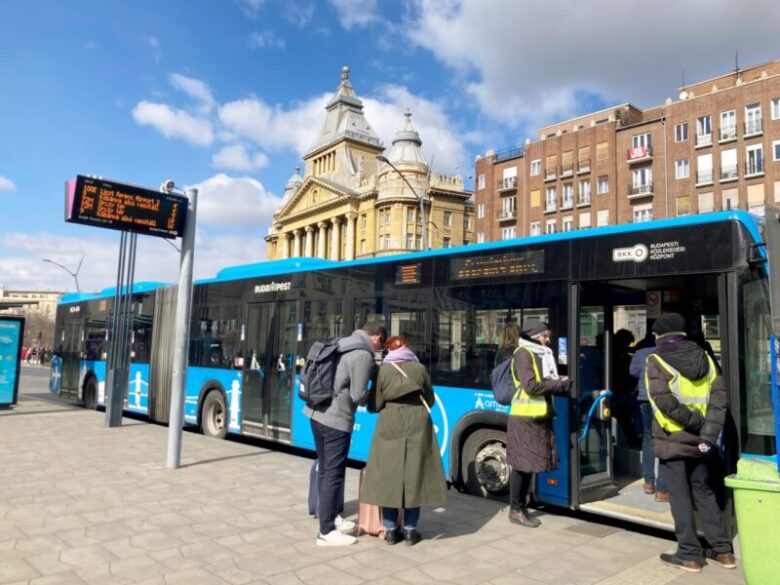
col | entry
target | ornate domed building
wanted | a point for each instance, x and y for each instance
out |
(350, 205)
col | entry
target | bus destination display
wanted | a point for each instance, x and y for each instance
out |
(129, 208)
(408, 274)
(506, 264)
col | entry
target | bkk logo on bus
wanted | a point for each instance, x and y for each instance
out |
(273, 287)
(640, 252)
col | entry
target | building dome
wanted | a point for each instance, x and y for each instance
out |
(406, 144)
(293, 185)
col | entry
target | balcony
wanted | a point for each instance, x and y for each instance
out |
(507, 214)
(753, 128)
(727, 134)
(639, 154)
(703, 140)
(754, 169)
(567, 170)
(704, 177)
(567, 203)
(583, 200)
(549, 207)
(640, 191)
(728, 173)
(549, 175)
(507, 184)
(583, 167)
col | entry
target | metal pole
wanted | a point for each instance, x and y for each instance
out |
(181, 339)
(426, 234)
(114, 410)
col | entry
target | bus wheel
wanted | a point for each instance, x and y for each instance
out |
(485, 470)
(91, 394)
(213, 418)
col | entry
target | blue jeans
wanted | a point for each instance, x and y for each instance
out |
(648, 460)
(390, 517)
(332, 449)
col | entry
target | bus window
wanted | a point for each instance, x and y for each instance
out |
(323, 319)
(215, 337)
(406, 316)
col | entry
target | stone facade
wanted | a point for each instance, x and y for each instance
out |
(348, 204)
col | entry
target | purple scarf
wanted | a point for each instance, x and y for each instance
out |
(400, 355)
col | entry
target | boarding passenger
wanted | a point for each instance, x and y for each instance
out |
(404, 469)
(530, 438)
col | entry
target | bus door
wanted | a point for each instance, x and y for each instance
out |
(592, 450)
(71, 355)
(269, 367)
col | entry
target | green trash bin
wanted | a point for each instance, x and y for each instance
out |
(756, 488)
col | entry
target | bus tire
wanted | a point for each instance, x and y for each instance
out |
(484, 467)
(91, 394)
(214, 415)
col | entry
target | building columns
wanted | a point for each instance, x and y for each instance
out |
(335, 239)
(309, 241)
(285, 245)
(350, 252)
(297, 243)
(322, 240)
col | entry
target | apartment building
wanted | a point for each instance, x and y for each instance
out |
(716, 147)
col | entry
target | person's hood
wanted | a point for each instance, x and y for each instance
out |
(359, 339)
(684, 356)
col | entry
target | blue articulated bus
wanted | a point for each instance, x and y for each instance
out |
(251, 326)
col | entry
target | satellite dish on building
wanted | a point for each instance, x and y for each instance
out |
(683, 95)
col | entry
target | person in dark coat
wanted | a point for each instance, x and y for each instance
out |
(404, 469)
(689, 402)
(530, 439)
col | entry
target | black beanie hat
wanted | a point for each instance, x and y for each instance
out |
(535, 328)
(669, 323)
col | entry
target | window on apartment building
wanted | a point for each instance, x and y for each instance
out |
(776, 150)
(508, 207)
(467, 222)
(728, 164)
(418, 242)
(550, 226)
(481, 182)
(567, 223)
(536, 198)
(447, 219)
(639, 140)
(754, 159)
(602, 218)
(551, 164)
(446, 243)
(584, 191)
(706, 202)
(681, 132)
(643, 213)
(682, 169)
(480, 237)
(753, 119)
(535, 229)
(583, 159)
(508, 233)
(481, 211)
(703, 130)
(642, 177)
(568, 196)
(704, 169)
(603, 185)
(730, 199)
(728, 125)
(409, 241)
(410, 214)
(567, 163)
(536, 167)
(602, 151)
(776, 108)
(684, 205)
(551, 199)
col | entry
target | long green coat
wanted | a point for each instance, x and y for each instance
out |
(404, 467)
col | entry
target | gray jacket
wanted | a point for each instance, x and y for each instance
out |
(356, 368)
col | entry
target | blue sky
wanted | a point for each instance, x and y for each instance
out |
(228, 95)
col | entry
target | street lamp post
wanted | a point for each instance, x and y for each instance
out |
(75, 275)
(423, 223)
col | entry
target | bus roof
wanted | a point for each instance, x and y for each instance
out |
(138, 287)
(292, 265)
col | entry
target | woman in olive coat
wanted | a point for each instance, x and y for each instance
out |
(404, 469)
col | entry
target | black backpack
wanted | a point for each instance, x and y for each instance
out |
(317, 379)
(502, 382)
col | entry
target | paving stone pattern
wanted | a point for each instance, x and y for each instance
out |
(80, 503)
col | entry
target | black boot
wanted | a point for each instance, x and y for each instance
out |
(411, 536)
(521, 516)
(394, 536)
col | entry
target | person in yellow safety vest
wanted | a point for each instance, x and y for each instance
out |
(530, 440)
(689, 402)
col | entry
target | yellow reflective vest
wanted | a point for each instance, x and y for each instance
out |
(693, 394)
(524, 404)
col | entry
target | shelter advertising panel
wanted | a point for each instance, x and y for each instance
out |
(11, 335)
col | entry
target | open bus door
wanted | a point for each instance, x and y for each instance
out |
(592, 455)
(71, 356)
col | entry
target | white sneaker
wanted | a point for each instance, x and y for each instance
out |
(344, 525)
(335, 538)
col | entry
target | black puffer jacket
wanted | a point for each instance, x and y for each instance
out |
(691, 361)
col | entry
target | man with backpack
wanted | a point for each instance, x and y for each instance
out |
(332, 422)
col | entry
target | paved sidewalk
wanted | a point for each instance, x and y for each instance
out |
(80, 503)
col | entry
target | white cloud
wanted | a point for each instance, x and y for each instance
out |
(236, 158)
(297, 12)
(265, 39)
(195, 88)
(531, 60)
(239, 202)
(6, 184)
(356, 13)
(174, 123)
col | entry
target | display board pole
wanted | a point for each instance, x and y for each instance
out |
(181, 333)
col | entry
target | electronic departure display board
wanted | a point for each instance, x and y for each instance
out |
(105, 203)
(506, 264)
(408, 273)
